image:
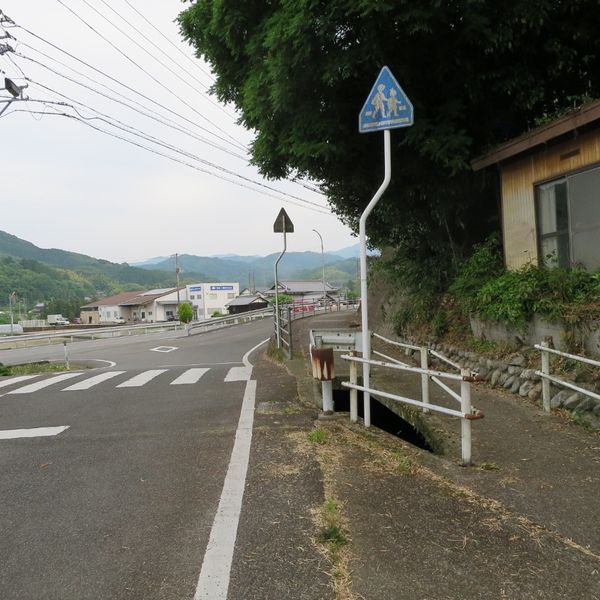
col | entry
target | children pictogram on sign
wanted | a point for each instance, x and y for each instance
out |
(386, 107)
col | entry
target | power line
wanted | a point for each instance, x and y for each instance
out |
(168, 40)
(133, 62)
(160, 62)
(172, 158)
(169, 122)
(113, 79)
(72, 80)
(135, 131)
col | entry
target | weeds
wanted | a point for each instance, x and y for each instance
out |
(317, 436)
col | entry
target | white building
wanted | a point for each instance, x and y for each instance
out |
(208, 298)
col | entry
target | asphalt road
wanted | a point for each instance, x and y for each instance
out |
(120, 504)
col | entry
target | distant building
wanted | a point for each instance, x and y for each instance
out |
(152, 306)
(105, 310)
(208, 298)
(246, 303)
(135, 307)
(307, 291)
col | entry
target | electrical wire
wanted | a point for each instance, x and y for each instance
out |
(172, 123)
(160, 62)
(147, 137)
(172, 158)
(114, 80)
(72, 80)
(168, 40)
(138, 66)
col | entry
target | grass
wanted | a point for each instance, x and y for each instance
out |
(331, 532)
(32, 369)
(317, 436)
(404, 464)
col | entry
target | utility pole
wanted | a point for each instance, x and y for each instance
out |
(11, 298)
(322, 263)
(177, 278)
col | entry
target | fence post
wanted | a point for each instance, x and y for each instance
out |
(353, 392)
(545, 382)
(424, 378)
(289, 323)
(465, 424)
(67, 364)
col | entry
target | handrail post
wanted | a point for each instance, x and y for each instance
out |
(289, 322)
(424, 378)
(465, 424)
(545, 381)
(353, 392)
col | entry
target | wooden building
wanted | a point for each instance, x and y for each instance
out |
(550, 190)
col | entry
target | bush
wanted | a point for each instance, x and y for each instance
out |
(185, 312)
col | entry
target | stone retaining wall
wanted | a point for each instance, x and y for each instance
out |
(513, 376)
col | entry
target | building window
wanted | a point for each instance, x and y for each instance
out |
(553, 224)
(212, 296)
(568, 220)
(230, 296)
(192, 297)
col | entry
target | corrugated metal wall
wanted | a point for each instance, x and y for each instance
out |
(518, 180)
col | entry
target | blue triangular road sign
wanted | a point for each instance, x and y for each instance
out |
(386, 107)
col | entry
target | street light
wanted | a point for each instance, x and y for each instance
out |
(322, 263)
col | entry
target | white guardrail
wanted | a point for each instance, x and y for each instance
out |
(466, 413)
(547, 378)
(219, 322)
(67, 335)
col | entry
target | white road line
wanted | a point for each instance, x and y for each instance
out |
(34, 387)
(238, 374)
(142, 378)
(189, 376)
(111, 363)
(213, 581)
(165, 349)
(86, 384)
(246, 357)
(13, 434)
(18, 379)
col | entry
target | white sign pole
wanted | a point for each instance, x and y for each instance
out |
(366, 337)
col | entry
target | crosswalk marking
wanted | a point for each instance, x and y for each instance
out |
(239, 374)
(142, 378)
(189, 376)
(14, 434)
(34, 387)
(18, 379)
(86, 384)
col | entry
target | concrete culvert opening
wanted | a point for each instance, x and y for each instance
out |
(383, 418)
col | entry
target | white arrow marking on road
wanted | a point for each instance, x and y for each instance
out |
(34, 387)
(92, 381)
(13, 434)
(142, 378)
(190, 376)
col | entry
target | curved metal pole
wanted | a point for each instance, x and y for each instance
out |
(322, 262)
(277, 286)
(366, 338)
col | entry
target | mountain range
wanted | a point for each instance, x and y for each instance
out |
(40, 274)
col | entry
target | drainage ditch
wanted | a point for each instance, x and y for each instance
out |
(385, 419)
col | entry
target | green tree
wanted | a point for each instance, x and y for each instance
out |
(185, 312)
(282, 299)
(477, 73)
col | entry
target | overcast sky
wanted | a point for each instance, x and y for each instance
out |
(65, 185)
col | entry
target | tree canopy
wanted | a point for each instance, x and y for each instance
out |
(477, 72)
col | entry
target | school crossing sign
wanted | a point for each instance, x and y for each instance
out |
(386, 107)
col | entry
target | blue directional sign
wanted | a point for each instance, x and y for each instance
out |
(386, 107)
